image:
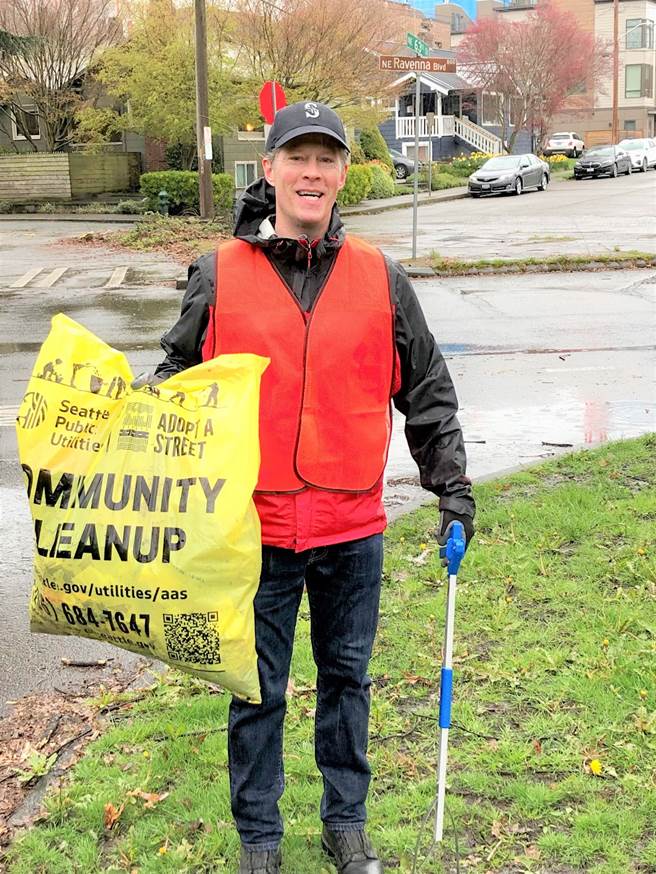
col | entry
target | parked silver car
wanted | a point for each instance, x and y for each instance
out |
(510, 174)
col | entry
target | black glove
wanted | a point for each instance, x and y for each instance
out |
(443, 532)
(146, 378)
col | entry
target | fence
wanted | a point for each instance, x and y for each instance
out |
(67, 175)
(601, 137)
(34, 177)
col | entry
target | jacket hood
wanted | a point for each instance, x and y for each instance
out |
(258, 202)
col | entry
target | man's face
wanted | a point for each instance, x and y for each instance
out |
(307, 173)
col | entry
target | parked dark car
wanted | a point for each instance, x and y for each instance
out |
(602, 161)
(510, 174)
(403, 166)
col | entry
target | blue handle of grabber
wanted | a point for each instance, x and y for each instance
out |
(454, 550)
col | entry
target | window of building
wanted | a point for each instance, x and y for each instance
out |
(630, 124)
(639, 33)
(639, 80)
(245, 173)
(25, 118)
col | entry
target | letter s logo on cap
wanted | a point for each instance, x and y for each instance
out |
(311, 110)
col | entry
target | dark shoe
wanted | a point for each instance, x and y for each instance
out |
(260, 861)
(351, 852)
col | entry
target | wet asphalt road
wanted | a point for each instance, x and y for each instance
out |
(538, 359)
(589, 216)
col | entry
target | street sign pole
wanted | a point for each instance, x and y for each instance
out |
(416, 191)
(422, 51)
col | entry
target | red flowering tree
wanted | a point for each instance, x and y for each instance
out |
(533, 68)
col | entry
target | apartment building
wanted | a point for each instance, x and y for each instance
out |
(589, 112)
(637, 62)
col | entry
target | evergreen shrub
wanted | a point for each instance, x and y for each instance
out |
(382, 184)
(357, 155)
(375, 147)
(358, 185)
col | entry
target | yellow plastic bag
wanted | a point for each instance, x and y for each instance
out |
(146, 535)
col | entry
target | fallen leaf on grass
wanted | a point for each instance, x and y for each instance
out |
(112, 815)
(531, 852)
(420, 559)
(537, 746)
(150, 799)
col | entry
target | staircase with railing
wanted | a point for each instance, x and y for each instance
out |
(477, 137)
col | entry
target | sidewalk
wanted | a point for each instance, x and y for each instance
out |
(371, 207)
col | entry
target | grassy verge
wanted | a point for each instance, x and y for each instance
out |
(444, 265)
(553, 746)
(184, 238)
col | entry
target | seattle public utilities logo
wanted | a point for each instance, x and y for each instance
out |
(33, 411)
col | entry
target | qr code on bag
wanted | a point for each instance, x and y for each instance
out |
(193, 637)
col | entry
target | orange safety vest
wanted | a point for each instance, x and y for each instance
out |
(325, 416)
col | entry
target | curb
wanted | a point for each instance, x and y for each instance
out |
(423, 497)
(515, 270)
(587, 267)
(110, 218)
(347, 211)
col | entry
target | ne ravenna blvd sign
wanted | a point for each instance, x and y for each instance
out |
(398, 64)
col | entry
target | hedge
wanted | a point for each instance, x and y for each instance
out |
(182, 189)
(382, 184)
(358, 185)
(375, 147)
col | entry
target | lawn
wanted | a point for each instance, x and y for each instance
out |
(553, 745)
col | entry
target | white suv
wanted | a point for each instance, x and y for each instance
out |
(642, 152)
(567, 143)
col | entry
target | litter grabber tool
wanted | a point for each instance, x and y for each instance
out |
(453, 552)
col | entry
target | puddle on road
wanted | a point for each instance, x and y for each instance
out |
(509, 436)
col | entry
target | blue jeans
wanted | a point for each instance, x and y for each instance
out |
(343, 586)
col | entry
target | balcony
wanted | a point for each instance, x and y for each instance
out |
(443, 126)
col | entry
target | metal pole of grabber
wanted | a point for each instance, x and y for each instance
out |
(453, 552)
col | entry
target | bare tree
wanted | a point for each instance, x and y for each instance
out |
(58, 41)
(317, 50)
(534, 68)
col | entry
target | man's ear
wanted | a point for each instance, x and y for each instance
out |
(342, 181)
(267, 164)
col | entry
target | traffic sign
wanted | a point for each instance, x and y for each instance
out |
(417, 46)
(400, 64)
(272, 98)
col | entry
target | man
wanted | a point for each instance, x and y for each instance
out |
(345, 334)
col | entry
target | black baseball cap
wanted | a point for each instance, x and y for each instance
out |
(305, 118)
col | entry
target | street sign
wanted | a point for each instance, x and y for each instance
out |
(272, 98)
(417, 46)
(400, 64)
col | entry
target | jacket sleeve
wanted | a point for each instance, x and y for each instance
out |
(428, 401)
(184, 342)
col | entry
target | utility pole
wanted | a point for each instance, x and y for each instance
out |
(203, 130)
(615, 127)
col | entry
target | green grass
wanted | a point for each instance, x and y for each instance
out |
(444, 265)
(554, 670)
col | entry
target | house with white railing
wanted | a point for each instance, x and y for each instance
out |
(452, 117)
